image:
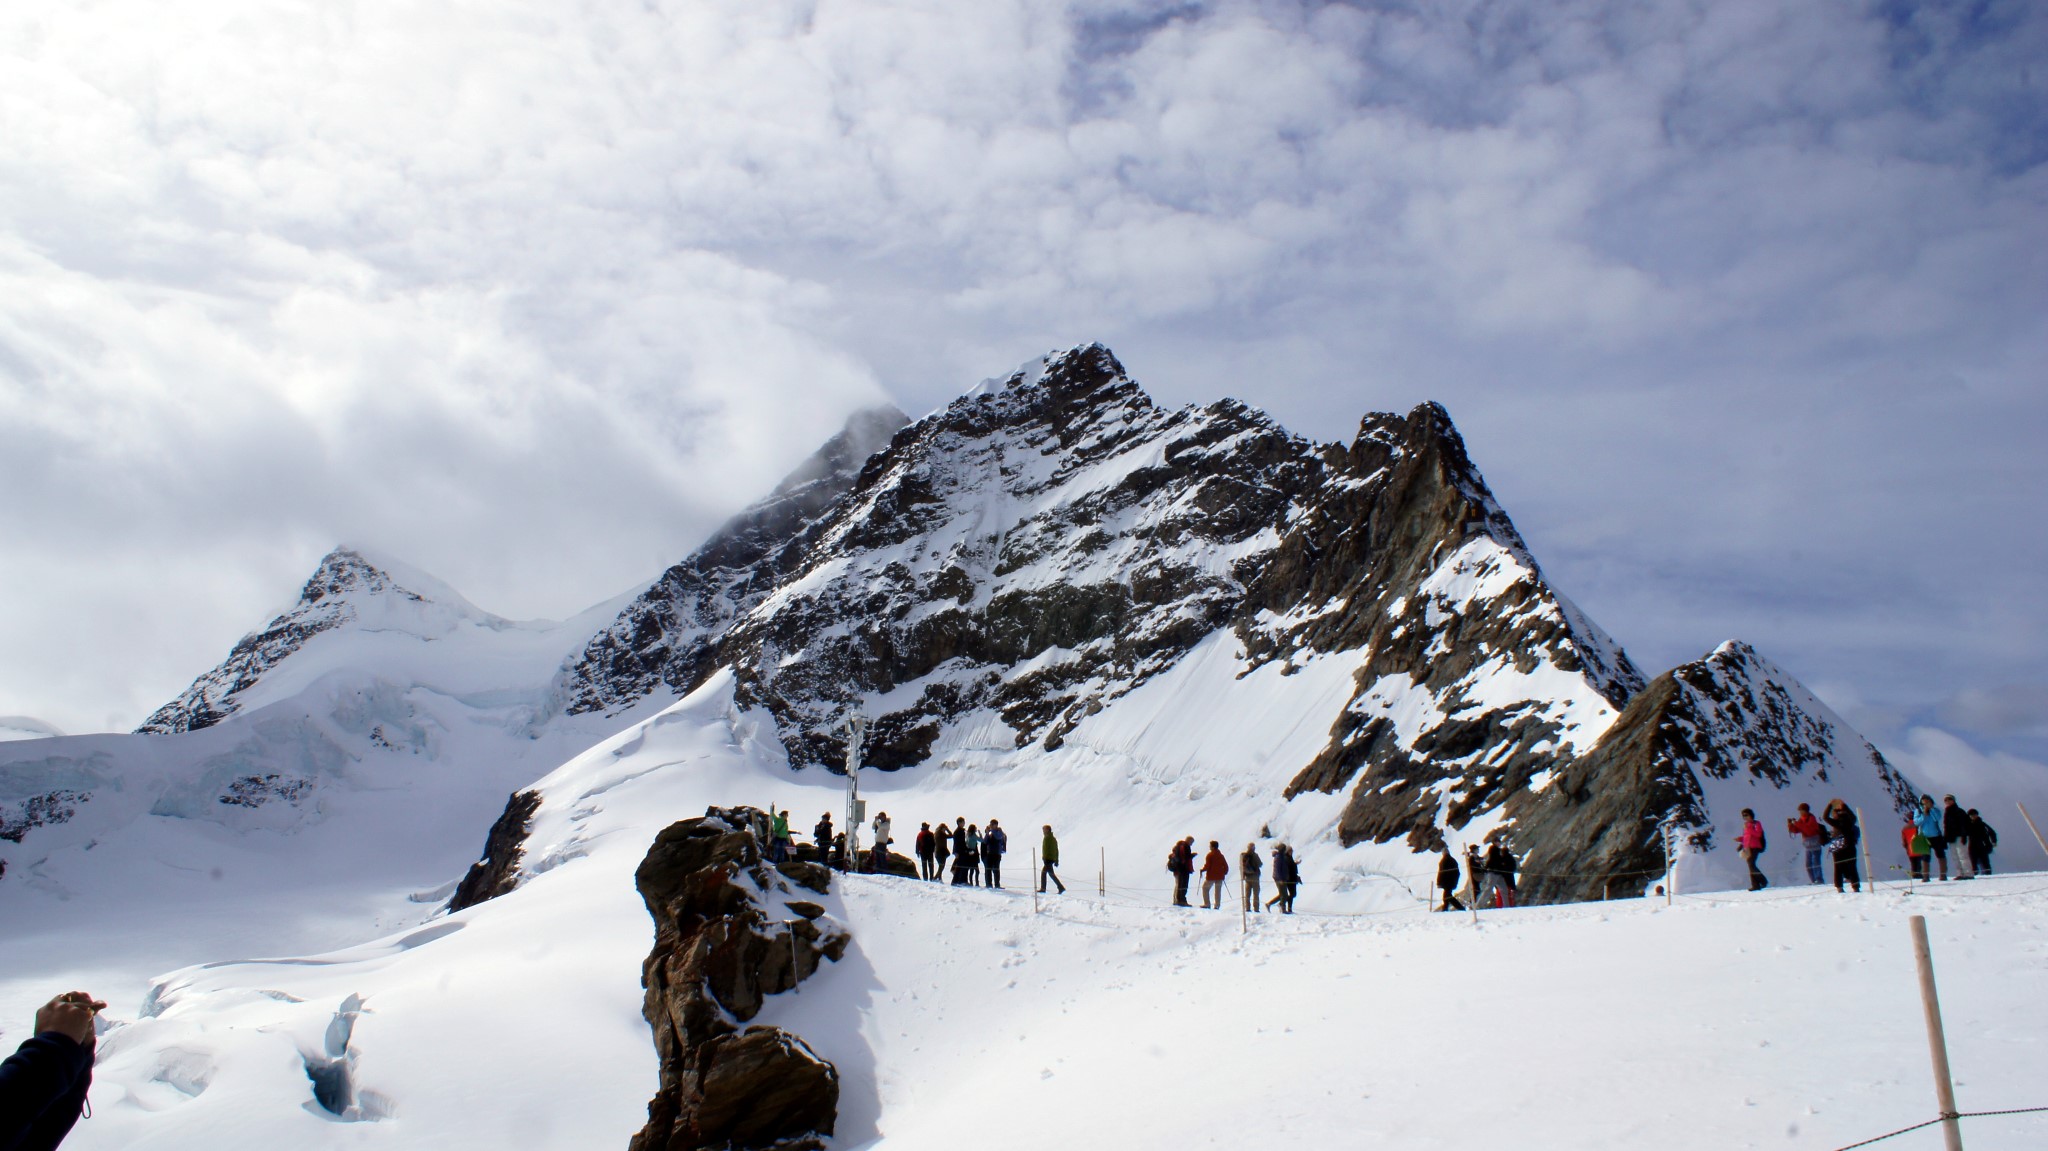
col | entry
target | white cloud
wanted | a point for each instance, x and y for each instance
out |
(1737, 303)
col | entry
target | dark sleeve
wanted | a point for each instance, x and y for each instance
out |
(42, 1089)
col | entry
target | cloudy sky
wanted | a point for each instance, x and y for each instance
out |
(1742, 306)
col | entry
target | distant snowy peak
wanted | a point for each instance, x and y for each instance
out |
(19, 727)
(348, 587)
(1700, 743)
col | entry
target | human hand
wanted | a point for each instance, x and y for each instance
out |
(70, 1015)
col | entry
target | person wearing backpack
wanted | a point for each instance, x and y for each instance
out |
(1917, 849)
(1215, 869)
(1049, 858)
(1929, 822)
(1180, 861)
(1982, 840)
(1845, 834)
(994, 842)
(1248, 869)
(1749, 844)
(1812, 837)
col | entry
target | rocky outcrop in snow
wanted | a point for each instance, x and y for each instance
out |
(1700, 743)
(497, 870)
(726, 935)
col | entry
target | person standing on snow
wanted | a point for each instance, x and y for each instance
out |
(880, 853)
(994, 842)
(1842, 843)
(1749, 843)
(43, 1084)
(1928, 820)
(1475, 873)
(1495, 870)
(926, 841)
(1248, 869)
(1447, 880)
(1917, 850)
(1955, 829)
(1180, 861)
(1812, 837)
(1285, 879)
(1215, 869)
(966, 855)
(823, 834)
(1049, 858)
(942, 846)
(1982, 840)
(973, 855)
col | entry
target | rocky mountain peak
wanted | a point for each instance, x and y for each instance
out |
(347, 585)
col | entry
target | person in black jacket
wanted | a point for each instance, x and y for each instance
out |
(994, 842)
(1843, 835)
(823, 834)
(1982, 840)
(43, 1084)
(1955, 827)
(1286, 878)
(1181, 862)
(1447, 876)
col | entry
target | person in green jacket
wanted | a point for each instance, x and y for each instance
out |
(778, 837)
(1049, 855)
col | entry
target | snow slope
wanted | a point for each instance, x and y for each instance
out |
(1786, 1019)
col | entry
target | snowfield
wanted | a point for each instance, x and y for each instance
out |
(1102, 1018)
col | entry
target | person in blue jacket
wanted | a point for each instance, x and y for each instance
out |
(43, 1084)
(1928, 820)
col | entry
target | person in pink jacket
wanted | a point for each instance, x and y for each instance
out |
(1750, 844)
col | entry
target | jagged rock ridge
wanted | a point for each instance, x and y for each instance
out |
(1045, 544)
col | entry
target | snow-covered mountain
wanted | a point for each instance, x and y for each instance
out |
(1051, 571)
(1001, 581)
(1059, 602)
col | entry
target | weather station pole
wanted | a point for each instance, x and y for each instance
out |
(856, 809)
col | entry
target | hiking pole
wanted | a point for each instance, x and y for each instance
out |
(1863, 841)
(1102, 873)
(1244, 895)
(1944, 1087)
(2031, 827)
(1039, 872)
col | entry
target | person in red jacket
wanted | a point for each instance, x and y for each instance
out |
(1750, 844)
(1214, 869)
(1917, 850)
(1812, 837)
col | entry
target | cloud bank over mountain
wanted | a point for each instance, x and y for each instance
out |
(1740, 302)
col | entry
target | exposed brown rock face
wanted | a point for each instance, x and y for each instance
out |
(497, 871)
(718, 952)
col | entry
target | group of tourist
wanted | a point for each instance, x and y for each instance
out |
(972, 855)
(1930, 833)
(1492, 875)
(1215, 870)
